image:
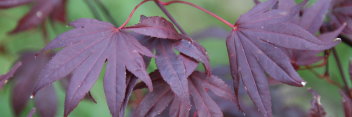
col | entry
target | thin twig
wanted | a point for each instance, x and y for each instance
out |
(167, 13)
(339, 65)
(106, 12)
(93, 10)
(235, 27)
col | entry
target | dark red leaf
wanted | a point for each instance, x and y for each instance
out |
(13, 3)
(41, 10)
(313, 17)
(253, 48)
(155, 27)
(172, 69)
(25, 80)
(5, 77)
(157, 101)
(178, 108)
(87, 47)
(340, 14)
(46, 102)
(311, 20)
(206, 107)
(195, 51)
(317, 110)
(65, 82)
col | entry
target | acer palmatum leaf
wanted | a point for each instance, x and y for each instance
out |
(172, 66)
(175, 68)
(87, 47)
(46, 102)
(253, 48)
(41, 10)
(317, 109)
(157, 101)
(340, 14)
(312, 19)
(12, 3)
(5, 77)
(24, 82)
(155, 27)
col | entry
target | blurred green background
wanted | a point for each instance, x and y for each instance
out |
(191, 19)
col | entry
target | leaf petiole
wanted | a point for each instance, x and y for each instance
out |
(131, 14)
(200, 8)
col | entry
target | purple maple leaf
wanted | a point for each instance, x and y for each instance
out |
(86, 48)
(172, 66)
(41, 10)
(199, 83)
(5, 77)
(341, 14)
(254, 48)
(312, 19)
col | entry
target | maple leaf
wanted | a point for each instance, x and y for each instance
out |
(12, 3)
(41, 10)
(340, 14)
(317, 110)
(5, 77)
(312, 19)
(157, 101)
(86, 48)
(24, 81)
(171, 65)
(253, 48)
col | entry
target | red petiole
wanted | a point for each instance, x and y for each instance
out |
(177, 1)
(200, 8)
(131, 14)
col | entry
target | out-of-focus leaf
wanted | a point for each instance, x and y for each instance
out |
(157, 101)
(317, 109)
(5, 77)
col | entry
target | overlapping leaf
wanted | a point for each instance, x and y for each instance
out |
(13, 3)
(157, 101)
(41, 10)
(253, 48)
(24, 79)
(312, 19)
(341, 13)
(172, 66)
(5, 77)
(87, 47)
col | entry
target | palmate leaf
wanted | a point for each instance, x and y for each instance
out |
(86, 48)
(253, 48)
(41, 10)
(172, 66)
(157, 101)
